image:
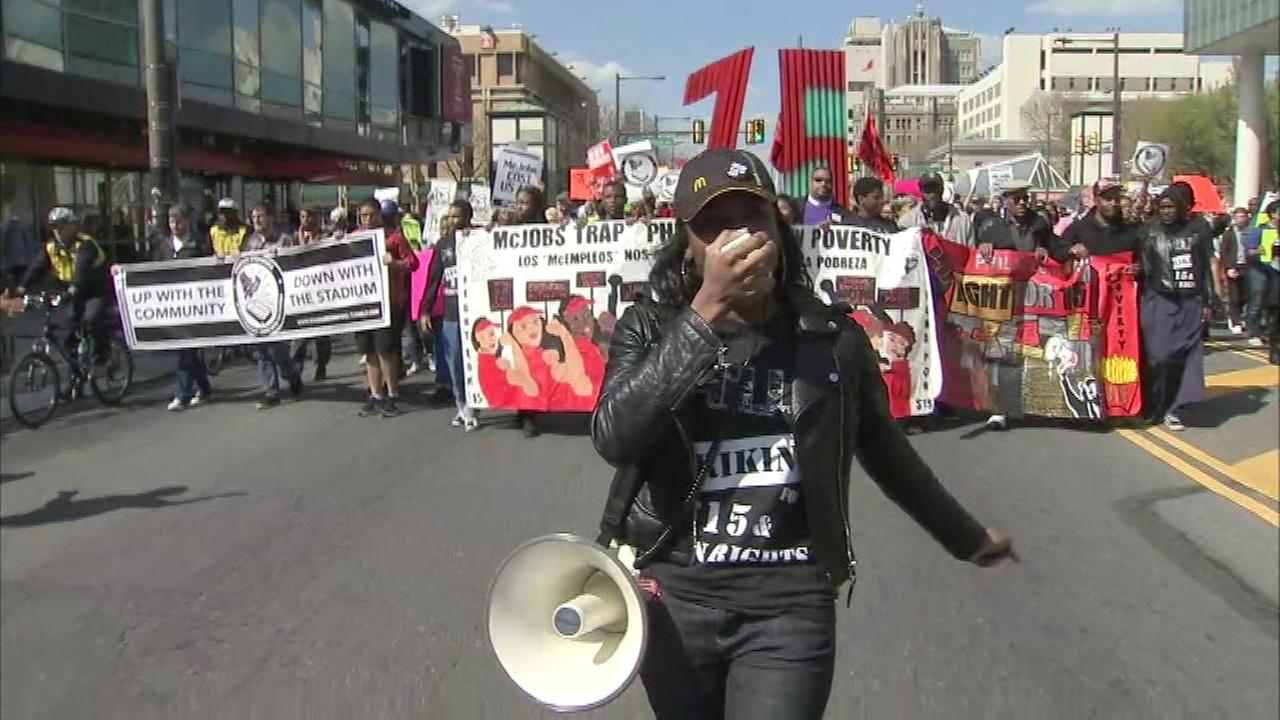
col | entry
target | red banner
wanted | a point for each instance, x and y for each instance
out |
(455, 82)
(1118, 311)
(1019, 337)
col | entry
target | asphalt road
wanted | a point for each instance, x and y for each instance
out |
(304, 562)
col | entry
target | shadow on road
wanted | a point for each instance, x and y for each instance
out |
(10, 477)
(64, 508)
(1233, 402)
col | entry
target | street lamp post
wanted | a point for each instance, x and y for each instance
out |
(1115, 89)
(617, 99)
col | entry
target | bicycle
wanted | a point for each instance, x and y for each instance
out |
(108, 373)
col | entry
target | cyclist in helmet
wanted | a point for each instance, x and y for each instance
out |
(77, 264)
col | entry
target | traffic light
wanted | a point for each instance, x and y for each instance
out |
(1078, 145)
(755, 131)
(895, 163)
(699, 132)
(1095, 144)
(759, 130)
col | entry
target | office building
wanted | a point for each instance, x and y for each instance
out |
(911, 70)
(1079, 66)
(283, 101)
(1249, 30)
(520, 93)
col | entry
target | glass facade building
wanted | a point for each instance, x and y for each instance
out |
(1212, 26)
(273, 94)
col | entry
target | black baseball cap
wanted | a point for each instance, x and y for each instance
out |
(932, 180)
(712, 173)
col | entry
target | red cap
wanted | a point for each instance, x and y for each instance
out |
(484, 324)
(576, 302)
(524, 312)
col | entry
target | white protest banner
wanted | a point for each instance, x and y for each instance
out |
(328, 288)
(1149, 159)
(442, 193)
(885, 279)
(387, 193)
(514, 169)
(481, 200)
(538, 305)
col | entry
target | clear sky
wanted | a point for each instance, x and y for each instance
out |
(675, 37)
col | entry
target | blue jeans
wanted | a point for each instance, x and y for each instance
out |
(443, 378)
(702, 662)
(451, 335)
(413, 347)
(191, 375)
(1257, 275)
(274, 361)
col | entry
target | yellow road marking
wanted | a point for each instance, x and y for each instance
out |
(1243, 351)
(1136, 437)
(1263, 376)
(1262, 472)
(1261, 481)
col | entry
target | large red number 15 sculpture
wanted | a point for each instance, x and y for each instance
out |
(727, 78)
(811, 126)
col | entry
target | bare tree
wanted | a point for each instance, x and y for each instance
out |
(1047, 119)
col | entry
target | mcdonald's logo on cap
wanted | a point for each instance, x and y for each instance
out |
(699, 184)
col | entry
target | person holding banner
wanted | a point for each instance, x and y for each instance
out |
(183, 243)
(382, 347)
(939, 215)
(1174, 258)
(868, 197)
(442, 278)
(309, 232)
(735, 404)
(613, 201)
(274, 358)
(529, 208)
(1103, 230)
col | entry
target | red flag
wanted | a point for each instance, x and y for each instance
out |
(871, 151)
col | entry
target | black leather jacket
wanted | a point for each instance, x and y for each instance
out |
(840, 412)
(1175, 259)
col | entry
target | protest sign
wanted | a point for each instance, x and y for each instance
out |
(1024, 338)
(514, 169)
(538, 305)
(1149, 159)
(885, 280)
(442, 193)
(481, 199)
(328, 288)
(600, 160)
(998, 178)
(580, 184)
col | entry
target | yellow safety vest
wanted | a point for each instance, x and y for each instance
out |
(412, 231)
(63, 260)
(227, 242)
(1269, 236)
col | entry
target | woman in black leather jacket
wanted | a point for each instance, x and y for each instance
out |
(735, 405)
(1174, 254)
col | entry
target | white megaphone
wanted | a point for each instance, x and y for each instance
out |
(567, 622)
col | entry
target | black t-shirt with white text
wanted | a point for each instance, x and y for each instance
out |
(751, 535)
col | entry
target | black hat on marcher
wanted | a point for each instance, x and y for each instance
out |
(932, 181)
(712, 173)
